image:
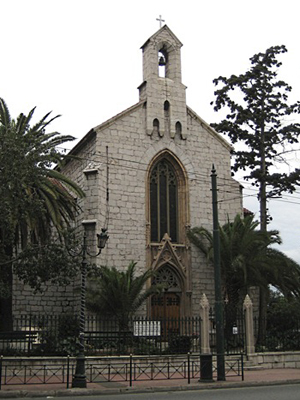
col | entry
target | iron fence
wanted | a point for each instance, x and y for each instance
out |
(280, 337)
(38, 371)
(234, 331)
(58, 335)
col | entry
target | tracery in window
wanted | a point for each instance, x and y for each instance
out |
(163, 201)
(165, 276)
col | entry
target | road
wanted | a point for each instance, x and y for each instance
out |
(280, 392)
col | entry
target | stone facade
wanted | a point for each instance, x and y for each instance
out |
(114, 167)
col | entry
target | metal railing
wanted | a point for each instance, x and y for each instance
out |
(234, 331)
(280, 337)
(58, 335)
(130, 369)
(37, 371)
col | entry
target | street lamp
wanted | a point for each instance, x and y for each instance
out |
(79, 378)
(218, 285)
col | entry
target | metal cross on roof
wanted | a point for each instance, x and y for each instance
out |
(160, 21)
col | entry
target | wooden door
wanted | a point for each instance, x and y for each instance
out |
(166, 308)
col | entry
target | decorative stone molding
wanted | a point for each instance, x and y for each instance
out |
(167, 255)
(89, 222)
(204, 314)
(91, 168)
(248, 308)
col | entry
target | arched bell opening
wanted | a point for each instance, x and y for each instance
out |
(162, 62)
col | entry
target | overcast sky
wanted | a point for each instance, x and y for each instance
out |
(82, 59)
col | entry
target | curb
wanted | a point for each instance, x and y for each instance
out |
(9, 394)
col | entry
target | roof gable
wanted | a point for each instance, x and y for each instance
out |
(210, 130)
(164, 30)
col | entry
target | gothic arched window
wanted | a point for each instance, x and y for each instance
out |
(163, 201)
(178, 128)
(156, 126)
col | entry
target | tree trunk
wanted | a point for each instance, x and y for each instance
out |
(6, 321)
(262, 320)
(262, 326)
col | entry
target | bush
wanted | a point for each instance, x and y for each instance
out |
(61, 339)
(179, 344)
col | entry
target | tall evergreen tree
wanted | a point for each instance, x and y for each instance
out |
(261, 119)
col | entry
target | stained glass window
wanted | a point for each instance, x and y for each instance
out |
(163, 201)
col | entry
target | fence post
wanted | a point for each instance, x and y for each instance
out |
(68, 371)
(130, 370)
(189, 367)
(248, 308)
(242, 357)
(204, 314)
(1, 359)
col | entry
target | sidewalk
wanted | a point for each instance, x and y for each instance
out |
(256, 377)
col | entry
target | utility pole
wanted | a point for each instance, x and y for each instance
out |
(219, 312)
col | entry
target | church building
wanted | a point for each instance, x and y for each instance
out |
(147, 177)
(146, 173)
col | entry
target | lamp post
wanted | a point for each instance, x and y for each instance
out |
(218, 284)
(79, 378)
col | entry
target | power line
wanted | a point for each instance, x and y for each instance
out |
(199, 177)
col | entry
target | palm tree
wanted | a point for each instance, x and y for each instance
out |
(248, 260)
(119, 294)
(35, 197)
(241, 251)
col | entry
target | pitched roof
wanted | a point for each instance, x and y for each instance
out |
(210, 130)
(164, 28)
(92, 133)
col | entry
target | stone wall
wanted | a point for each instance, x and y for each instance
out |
(275, 360)
(53, 299)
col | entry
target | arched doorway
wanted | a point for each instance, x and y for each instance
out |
(167, 303)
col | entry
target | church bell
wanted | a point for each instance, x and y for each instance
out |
(162, 61)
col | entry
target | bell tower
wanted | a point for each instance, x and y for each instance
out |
(162, 89)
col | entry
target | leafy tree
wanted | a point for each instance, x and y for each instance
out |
(119, 294)
(37, 264)
(283, 314)
(36, 199)
(283, 321)
(261, 119)
(248, 260)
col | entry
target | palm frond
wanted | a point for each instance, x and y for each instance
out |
(5, 118)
